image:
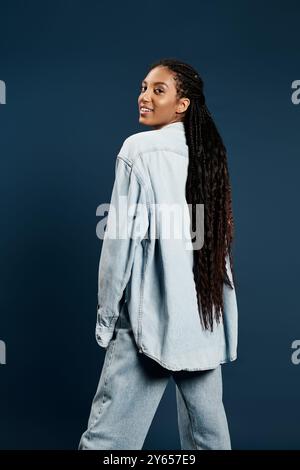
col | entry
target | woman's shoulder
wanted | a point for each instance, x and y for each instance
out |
(140, 142)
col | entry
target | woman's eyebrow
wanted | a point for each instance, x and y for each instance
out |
(156, 83)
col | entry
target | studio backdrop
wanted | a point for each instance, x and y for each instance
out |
(70, 75)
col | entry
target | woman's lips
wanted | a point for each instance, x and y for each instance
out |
(145, 110)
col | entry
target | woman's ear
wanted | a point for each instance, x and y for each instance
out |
(183, 105)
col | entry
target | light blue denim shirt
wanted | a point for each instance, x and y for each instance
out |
(153, 275)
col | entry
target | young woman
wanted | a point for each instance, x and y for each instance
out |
(166, 304)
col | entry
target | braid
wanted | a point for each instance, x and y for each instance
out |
(207, 183)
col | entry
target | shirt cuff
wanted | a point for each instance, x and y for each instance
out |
(105, 326)
(103, 336)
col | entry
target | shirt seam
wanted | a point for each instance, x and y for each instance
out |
(139, 178)
(160, 149)
(129, 163)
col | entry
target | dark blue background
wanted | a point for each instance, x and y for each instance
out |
(73, 71)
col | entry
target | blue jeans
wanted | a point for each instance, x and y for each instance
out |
(130, 388)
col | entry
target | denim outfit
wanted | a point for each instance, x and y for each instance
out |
(130, 388)
(153, 275)
(147, 313)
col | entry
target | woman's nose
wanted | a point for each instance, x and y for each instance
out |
(146, 96)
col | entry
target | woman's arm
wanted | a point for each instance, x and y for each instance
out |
(127, 224)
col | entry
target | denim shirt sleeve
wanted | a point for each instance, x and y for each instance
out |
(127, 223)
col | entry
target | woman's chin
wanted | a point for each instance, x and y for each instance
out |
(147, 122)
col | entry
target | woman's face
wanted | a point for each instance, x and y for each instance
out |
(158, 95)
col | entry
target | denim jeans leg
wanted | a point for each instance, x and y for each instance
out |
(130, 388)
(201, 415)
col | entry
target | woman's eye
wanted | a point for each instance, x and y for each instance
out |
(156, 89)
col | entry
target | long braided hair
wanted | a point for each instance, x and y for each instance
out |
(207, 183)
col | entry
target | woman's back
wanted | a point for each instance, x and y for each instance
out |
(159, 286)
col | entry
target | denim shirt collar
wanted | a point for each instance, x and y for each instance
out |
(176, 125)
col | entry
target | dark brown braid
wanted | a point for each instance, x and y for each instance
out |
(207, 183)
